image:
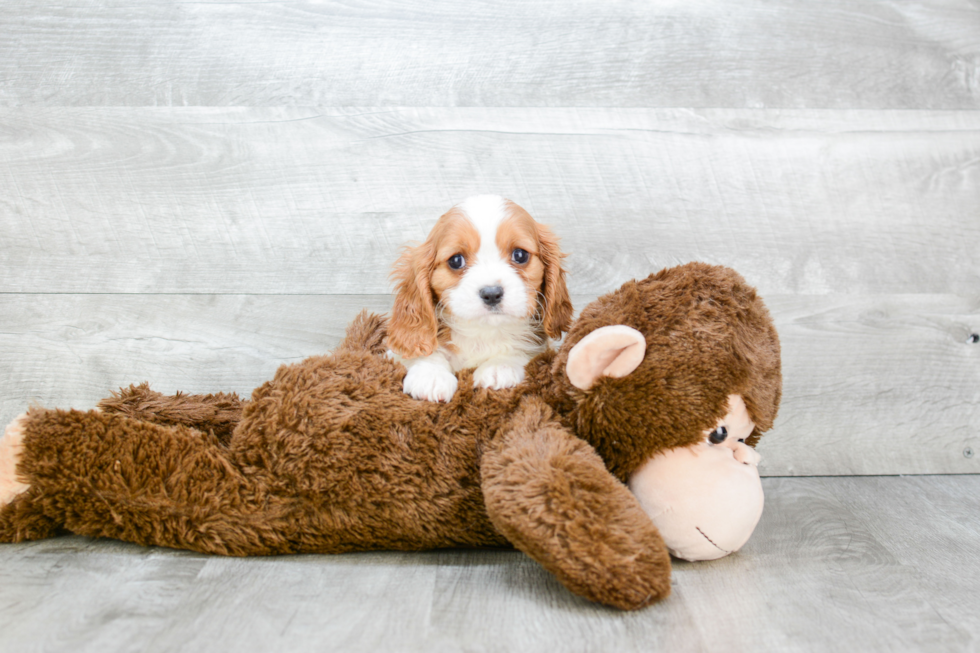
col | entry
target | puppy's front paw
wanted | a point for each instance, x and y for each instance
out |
(11, 445)
(430, 382)
(497, 377)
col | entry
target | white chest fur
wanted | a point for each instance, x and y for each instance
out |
(475, 342)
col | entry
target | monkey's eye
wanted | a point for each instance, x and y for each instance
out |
(519, 256)
(718, 435)
(456, 261)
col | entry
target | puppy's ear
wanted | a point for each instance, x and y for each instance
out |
(413, 327)
(557, 309)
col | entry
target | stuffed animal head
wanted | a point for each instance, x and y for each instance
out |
(674, 378)
(705, 500)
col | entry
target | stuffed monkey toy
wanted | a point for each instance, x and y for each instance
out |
(631, 441)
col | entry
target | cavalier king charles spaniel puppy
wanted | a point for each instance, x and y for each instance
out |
(486, 290)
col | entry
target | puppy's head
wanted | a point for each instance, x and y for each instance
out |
(487, 260)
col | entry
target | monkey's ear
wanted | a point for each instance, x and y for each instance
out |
(413, 327)
(612, 351)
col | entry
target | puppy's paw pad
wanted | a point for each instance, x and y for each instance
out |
(498, 377)
(430, 382)
(11, 447)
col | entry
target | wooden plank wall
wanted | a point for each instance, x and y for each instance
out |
(195, 192)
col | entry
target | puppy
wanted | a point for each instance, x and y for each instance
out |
(485, 290)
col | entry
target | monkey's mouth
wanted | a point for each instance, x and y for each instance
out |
(711, 542)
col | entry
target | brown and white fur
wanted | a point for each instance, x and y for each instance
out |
(486, 290)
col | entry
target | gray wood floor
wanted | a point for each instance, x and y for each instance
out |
(193, 193)
(847, 563)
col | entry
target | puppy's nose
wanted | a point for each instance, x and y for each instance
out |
(491, 295)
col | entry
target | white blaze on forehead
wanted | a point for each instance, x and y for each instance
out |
(485, 212)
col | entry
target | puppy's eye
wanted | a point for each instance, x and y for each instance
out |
(718, 435)
(520, 256)
(456, 261)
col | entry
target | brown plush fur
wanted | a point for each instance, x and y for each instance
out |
(708, 336)
(217, 414)
(331, 455)
(551, 496)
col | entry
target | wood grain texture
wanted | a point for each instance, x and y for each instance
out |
(943, 517)
(872, 384)
(876, 385)
(835, 54)
(317, 201)
(70, 350)
(883, 564)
